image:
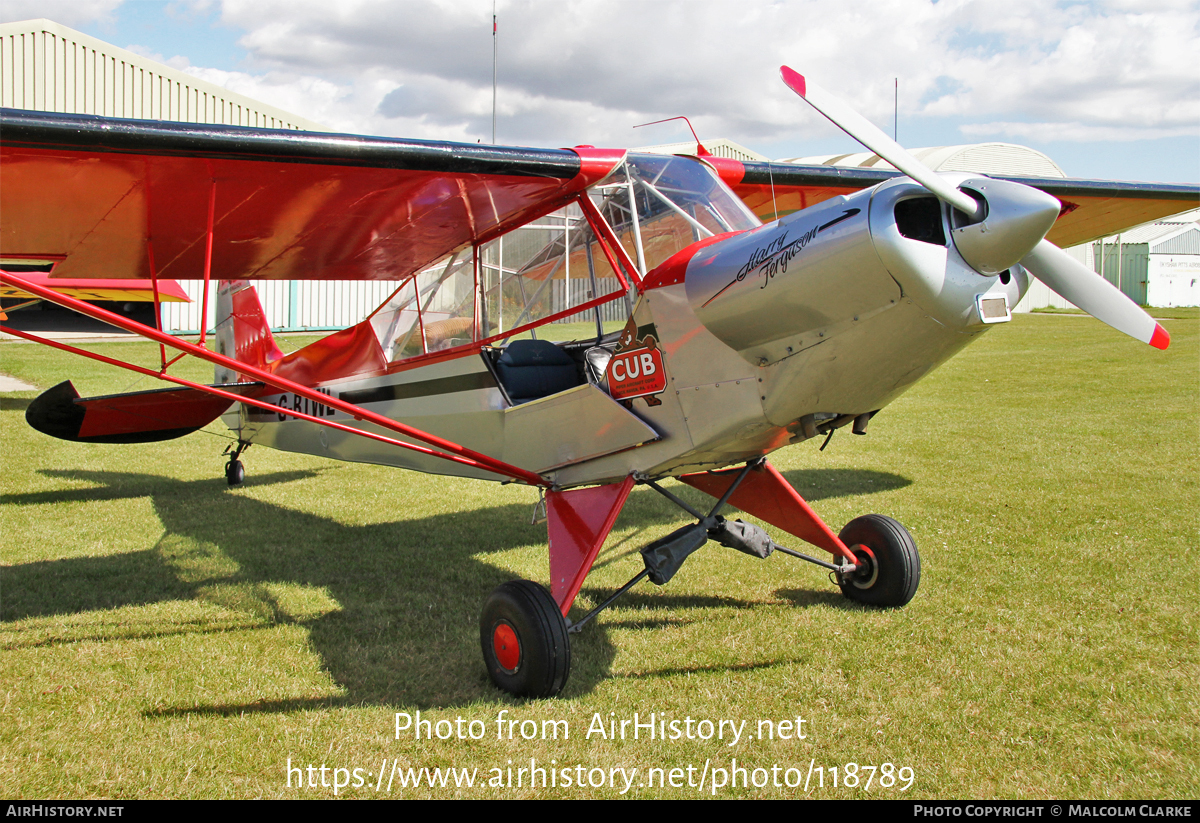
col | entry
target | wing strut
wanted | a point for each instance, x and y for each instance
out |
(451, 451)
(233, 397)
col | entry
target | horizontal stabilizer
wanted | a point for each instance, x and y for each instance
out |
(137, 417)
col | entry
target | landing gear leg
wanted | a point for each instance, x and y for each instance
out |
(235, 472)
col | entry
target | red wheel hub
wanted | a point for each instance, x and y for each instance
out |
(507, 647)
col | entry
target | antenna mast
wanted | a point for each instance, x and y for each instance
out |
(494, 57)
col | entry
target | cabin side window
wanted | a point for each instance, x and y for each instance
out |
(538, 273)
(429, 312)
(552, 279)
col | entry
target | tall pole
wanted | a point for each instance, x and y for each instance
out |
(494, 56)
(1120, 258)
(896, 113)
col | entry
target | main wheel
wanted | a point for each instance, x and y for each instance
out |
(235, 472)
(890, 567)
(524, 640)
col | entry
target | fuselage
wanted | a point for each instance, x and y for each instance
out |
(767, 336)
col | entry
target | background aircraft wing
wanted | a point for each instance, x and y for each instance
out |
(1091, 208)
(101, 196)
(129, 291)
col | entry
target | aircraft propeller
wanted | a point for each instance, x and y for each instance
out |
(1002, 223)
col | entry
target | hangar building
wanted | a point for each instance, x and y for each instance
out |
(45, 66)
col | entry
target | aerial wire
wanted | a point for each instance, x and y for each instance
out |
(494, 57)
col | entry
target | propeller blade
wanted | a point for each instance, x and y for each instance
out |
(1092, 293)
(865, 132)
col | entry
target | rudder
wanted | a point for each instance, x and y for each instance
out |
(243, 332)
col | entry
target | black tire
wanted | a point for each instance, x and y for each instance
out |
(235, 472)
(892, 566)
(523, 613)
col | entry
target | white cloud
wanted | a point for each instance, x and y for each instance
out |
(1127, 71)
(176, 62)
(66, 12)
(1070, 132)
(589, 70)
(299, 94)
(592, 69)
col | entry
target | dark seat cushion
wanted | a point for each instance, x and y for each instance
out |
(531, 369)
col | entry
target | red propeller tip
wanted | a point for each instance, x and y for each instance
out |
(1160, 339)
(793, 79)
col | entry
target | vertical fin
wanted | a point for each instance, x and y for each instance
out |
(243, 332)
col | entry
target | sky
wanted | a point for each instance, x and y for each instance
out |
(1107, 89)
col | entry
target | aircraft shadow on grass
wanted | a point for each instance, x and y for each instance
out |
(403, 597)
(15, 403)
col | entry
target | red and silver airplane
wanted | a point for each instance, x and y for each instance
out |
(700, 338)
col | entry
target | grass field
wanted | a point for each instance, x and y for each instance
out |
(166, 636)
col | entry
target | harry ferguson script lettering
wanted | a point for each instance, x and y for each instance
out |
(774, 258)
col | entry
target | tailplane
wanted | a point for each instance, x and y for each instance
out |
(136, 417)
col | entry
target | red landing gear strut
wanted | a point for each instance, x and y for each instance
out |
(523, 628)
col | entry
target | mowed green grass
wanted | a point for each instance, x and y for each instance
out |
(166, 636)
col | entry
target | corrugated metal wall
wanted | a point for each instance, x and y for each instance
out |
(998, 158)
(1126, 266)
(1186, 243)
(1131, 267)
(565, 294)
(290, 305)
(48, 67)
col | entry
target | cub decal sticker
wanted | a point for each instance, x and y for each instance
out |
(636, 373)
(636, 370)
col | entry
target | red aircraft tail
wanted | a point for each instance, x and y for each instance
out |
(243, 332)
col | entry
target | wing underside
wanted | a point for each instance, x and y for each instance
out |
(135, 199)
(120, 199)
(1091, 208)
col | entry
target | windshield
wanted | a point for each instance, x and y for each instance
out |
(659, 204)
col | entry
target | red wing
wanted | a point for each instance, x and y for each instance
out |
(288, 205)
(1091, 208)
(128, 291)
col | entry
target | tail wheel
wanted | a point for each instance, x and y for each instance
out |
(889, 568)
(235, 472)
(524, 640)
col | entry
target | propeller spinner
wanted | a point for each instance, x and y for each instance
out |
(998, 223)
